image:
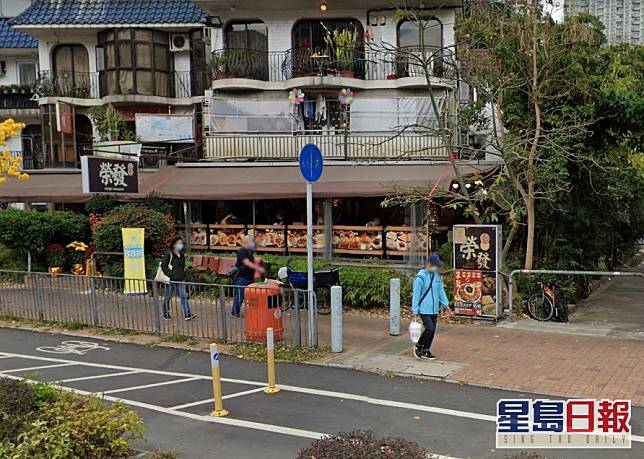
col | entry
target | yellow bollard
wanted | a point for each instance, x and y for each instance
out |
(270, 353)
(216, 382)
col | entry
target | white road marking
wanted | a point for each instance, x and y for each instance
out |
(106, 375)
(146, 386)
(6, 356)
(246, 392)
(73, 347)
(210, 400)
(41, 367)
(304, 390)
(225, 421)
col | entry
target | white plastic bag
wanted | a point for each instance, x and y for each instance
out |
(415, 330)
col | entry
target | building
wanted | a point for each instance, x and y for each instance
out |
(18, 74)
(375, 89)
(622, 18)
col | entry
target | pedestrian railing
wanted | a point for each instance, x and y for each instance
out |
(139, 305)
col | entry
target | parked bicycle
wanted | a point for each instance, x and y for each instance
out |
(323, 280)
(548, 303)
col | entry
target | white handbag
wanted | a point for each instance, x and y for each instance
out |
(161, 276)
(415, 330)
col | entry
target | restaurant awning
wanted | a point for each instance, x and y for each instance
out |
(263, 181)
(50, 186)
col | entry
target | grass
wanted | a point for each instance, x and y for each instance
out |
(257, 352)
(163, 455)
(181, 339)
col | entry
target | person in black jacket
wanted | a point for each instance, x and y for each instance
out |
(173, 265)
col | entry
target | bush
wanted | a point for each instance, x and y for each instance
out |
(101, 204)
(154, 201)
(362, 445)
(108, 236)
(75, 426)
(17, 402)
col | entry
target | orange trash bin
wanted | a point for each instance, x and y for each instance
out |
(263, 310)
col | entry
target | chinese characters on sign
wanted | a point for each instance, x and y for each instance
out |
(109, 175)
(522, 423)
(476, 266)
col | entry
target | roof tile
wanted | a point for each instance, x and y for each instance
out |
(10, 38)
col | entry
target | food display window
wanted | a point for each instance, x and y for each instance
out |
(357, 240)
(405, 240)
(296, 238)
(226, 237)
(199, 236)
(269, 238)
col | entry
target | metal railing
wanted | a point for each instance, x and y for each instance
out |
(27, 159)
(560, 272)
(88, 85)
(364, 63)
(140, 305)
(337, 145)
(18, 101)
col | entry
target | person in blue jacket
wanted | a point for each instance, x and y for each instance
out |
(428, 298)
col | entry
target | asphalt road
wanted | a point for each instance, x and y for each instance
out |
(171, 389)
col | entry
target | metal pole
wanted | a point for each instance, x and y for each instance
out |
(394, 307)
(270, 357)
(336, 318)
(309, 259)
(574, 273)
(216, 382)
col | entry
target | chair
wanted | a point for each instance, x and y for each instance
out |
(213, 264)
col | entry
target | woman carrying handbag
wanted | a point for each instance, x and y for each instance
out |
(172, 272)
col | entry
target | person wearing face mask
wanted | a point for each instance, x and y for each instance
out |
(173, 265)
(427, 299)
(245, 275)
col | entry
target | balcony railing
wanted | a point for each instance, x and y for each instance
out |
(352, 146)
(365, 64)
(91, 85)
(17, 101)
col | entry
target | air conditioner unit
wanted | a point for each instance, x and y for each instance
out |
(179, 42)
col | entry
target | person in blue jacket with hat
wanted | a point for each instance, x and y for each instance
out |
(428, 298)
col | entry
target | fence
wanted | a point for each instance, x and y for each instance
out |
(101, 302)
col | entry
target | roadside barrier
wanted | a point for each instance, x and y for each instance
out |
(270, 357)
(560, 272)
(336, 319)
(394, 307)
(151, 307)
(219, 410)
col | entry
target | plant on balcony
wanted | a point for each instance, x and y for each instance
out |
(343, 45)
(110, 124)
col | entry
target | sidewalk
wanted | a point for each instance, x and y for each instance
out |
(494, 356)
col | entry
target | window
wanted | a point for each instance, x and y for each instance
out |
(248, 35)
(310, 33)
(135, 61)
(27, 72)
(426, 33)
(71, 58)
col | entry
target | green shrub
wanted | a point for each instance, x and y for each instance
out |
(74, 426)
(108, 236)
(362, 444)
(18, 400)
(101, 204)
(154, 201)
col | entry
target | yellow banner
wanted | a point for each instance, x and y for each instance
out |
(134, 261)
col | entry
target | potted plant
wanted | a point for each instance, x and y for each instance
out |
(76, 256)
(55, 259)
(343, 43)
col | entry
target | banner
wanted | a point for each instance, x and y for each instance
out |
(134, 261)
(109, 175)
(477, 262)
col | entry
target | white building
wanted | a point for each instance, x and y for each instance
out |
(622, 18)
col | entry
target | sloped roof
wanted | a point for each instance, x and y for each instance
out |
(99, 12)
(10, 38)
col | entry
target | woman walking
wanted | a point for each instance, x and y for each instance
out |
(173, 265)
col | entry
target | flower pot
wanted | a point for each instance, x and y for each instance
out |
(78, 269)
(392, 76)
(55, 271)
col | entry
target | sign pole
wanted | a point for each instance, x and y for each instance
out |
(309, 250)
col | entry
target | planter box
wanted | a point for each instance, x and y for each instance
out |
(117, 149)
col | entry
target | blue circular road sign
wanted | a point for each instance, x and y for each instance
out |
(311, 163)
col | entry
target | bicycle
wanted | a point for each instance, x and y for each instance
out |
(323, 280)
(548, 304)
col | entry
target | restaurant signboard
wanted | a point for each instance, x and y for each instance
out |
(477, 262)
(109, 175)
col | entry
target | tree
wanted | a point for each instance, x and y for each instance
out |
(10, 166)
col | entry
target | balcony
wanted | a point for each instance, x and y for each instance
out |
(16, 101)
(348, 146)
(365, 64)
(95, 85)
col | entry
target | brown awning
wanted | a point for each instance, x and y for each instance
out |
(228, 182)
(59, 187)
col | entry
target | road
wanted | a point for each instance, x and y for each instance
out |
(172, 390)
